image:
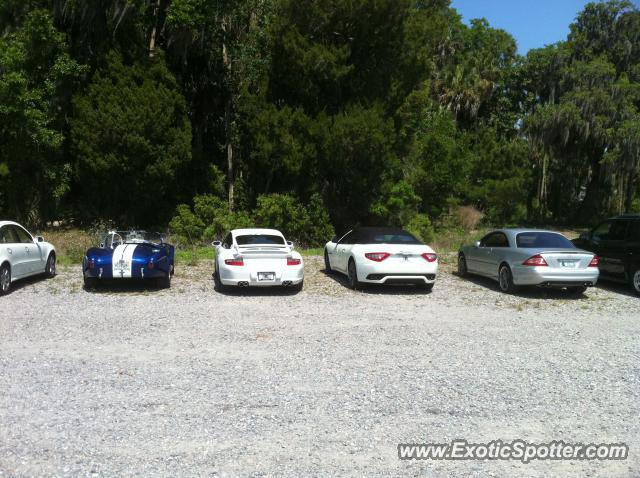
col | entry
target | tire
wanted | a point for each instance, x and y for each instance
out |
(352, 275)
(165, 282)
(218, 285)
(462, 266)
(327, 264)
(90, 282)
(505, 280)
(634, 281)
(297, 287)
(579, 290)
(50, 269)
(5, 279)
(427, 287)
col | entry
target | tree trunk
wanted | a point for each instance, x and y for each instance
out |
(154, 29)
(228, 116)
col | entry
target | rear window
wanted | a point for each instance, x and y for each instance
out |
(535, 240)
(261, 239)
(399, 237)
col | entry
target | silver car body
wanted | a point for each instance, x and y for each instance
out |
(566, 266)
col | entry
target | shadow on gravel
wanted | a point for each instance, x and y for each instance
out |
(616, 287)
(124, 286)
(379, 289)
(525, 292)
(22, 283)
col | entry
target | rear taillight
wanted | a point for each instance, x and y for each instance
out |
(293, 262)
(430, 257)
(377, 256)
(595, 262)
(234, 262)
(536, 260)
(92, 264)
(151, 265)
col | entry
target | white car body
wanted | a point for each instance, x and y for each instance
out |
(257, 257)
(22, 256)
(398, 263)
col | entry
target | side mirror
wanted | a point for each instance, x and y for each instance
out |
(290, 244)
(216, 243)
(335, 239)
(102, 245)
(39, 239)
(477, 244)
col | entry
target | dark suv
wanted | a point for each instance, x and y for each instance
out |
(617, 242)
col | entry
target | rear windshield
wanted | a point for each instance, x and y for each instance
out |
(396, 237)
(535, 240)
(259, 239)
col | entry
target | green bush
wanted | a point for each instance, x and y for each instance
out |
(421, 227)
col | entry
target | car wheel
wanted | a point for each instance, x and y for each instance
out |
(327, 264)
(635, 281)
(165, 282)
(352, 275)
(5, 279)
(427, 287)
(218, 285)
(50, 270)
(90, 282)
(505, 280)
(462, 265)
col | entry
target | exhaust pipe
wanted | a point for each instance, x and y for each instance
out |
(243, 284)
(287, 283)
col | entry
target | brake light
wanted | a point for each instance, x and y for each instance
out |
(293, 262)
(595, 262)
(92, 264)
(151, 265)
(430, 257)
(234, 262)
(536, 260)
(377, 256)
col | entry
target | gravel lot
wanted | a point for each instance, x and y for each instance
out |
(327, 382)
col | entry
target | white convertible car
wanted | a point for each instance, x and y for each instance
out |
(381, 255)
(23, 256)
(257, 257)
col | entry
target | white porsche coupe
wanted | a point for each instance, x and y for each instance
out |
(257, 257)
(23, 256)
(381, 255)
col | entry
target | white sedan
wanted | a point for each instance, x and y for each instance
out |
(257, 257)
(23, 256)
(381, 255)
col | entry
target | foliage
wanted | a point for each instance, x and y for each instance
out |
(130, 135)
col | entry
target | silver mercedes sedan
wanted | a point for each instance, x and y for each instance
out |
(529, 257)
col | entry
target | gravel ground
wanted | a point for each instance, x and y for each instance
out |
(190, 382)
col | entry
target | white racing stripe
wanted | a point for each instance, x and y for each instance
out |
(122, 262)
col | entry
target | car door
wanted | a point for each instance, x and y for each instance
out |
(343, 250)
(33, 261)
(497, 244)
(633, 247)
(609, 241)
(15, 251)
(479, 259)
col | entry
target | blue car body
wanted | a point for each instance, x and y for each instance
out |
(129, 255)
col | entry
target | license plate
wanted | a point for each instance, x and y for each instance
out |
(123, 265)
(266, 276)
(568, 263)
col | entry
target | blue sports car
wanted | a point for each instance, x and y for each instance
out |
(129, 255)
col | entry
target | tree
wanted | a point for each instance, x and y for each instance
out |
(130, 135)
(36, 76)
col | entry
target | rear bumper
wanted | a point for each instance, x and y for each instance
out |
(292, 275)
(107, 273)
(553, 277)
(380, 273)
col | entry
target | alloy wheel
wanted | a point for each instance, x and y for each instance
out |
(504, 279)
(51, 266)
(5, 279)
(636, 281)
